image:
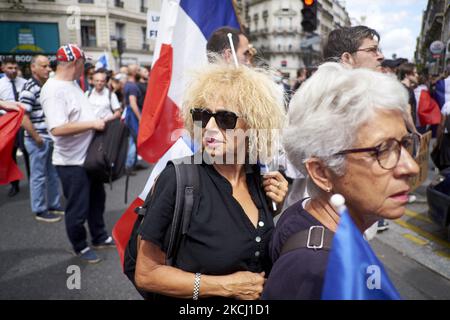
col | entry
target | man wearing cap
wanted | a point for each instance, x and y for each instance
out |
(71, 123)
(389, 66)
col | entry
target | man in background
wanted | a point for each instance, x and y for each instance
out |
(44, 182)
(10, 87)
(218, 43)
(72, 122)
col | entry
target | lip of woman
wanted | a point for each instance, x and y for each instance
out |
(401, 196)
(210, 141)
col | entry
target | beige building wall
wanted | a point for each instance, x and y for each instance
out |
(275, 30)
(69, 13)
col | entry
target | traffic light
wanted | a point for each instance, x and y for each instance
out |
(309, 15)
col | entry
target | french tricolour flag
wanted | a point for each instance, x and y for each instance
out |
(442, 92)
(184, 28)
(428, 111)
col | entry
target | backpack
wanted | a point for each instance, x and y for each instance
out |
(186, 202)
(107, 153)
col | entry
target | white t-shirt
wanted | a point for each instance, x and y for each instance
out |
(101, 104)
(446, 108)
(446, 112)
(64, 102)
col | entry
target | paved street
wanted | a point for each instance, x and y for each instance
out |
(34, 256)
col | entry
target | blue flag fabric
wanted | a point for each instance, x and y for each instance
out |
(102, 62)
(354, 272)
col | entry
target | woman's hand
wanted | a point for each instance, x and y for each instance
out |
(245, 285)
(275, 186)
(10, 106)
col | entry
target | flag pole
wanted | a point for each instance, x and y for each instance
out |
(233, 51)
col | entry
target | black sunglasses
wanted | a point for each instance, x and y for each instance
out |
(388, 152)
(225, 119)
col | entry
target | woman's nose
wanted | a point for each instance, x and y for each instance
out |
(406, 164)
(212, 124)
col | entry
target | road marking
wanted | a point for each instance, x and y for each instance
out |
(415, 239)
(443, 254)
(423, 233)
(417, 216)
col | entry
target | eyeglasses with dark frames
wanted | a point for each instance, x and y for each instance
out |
(225, 120)
(388, 152)
(374, 50)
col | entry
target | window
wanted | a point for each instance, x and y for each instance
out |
(120, 30)
(145, 45)
(256, 18)
(118, 3)
(88, 33)
(85, 1)
(143, 7)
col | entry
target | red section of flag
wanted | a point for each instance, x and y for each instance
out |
(160, 115)
(9, 125)
(82, 84)
(122, 229)
(428, 110)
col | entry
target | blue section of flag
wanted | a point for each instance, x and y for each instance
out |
(191, 143)
(209, 15)
(439, 92)
(354, 272)
(102, 62)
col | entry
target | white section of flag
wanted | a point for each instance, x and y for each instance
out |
(178, 150)
(166, 27)
(189, 47)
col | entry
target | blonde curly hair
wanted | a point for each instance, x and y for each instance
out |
(250, 91)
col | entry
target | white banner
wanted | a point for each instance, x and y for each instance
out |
(152, 24)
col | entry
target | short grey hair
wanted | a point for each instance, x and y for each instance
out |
(329, 108)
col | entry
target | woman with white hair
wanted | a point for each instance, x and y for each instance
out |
(349, 133)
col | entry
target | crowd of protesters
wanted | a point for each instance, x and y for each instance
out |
(65, 106)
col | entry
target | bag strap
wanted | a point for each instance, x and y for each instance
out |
(109, 98)
(316, 238)
(186, 201)
(187, 195)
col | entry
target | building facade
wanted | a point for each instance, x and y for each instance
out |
(274, 29)
(28, 27)
(435, 27)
